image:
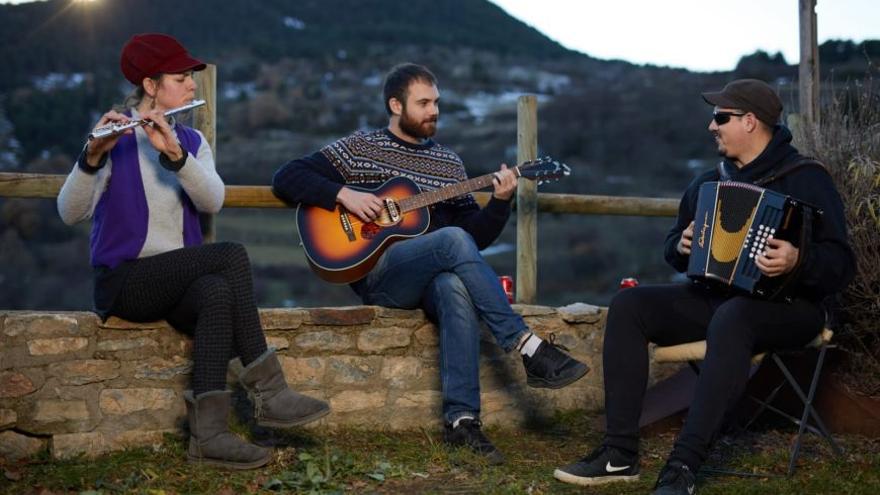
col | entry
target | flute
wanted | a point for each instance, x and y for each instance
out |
(116, 128)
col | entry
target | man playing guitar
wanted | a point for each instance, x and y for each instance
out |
(440, 271)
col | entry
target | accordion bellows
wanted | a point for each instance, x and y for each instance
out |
(732, 223)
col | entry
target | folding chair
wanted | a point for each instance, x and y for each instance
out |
(694, 352)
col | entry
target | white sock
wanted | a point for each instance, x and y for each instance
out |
(455, 423)
(531, 344)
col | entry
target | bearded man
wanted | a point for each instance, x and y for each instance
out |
(442, 270)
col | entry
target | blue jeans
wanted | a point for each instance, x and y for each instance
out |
(443, 273)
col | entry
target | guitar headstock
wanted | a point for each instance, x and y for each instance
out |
(544, 169)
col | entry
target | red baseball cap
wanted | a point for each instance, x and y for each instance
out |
(148, 54)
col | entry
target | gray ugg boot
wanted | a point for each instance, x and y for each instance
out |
(210, 440)
(275, 404)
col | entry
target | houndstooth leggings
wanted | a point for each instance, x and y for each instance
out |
(204, 291)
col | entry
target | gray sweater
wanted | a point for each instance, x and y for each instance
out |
(198, 177)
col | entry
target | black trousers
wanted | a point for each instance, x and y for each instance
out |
(734, 327)
(205, 291)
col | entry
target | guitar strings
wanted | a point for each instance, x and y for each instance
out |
(358, 222)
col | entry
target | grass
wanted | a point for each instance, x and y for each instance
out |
(362, 461)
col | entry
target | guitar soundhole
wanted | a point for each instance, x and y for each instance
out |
(369, 231)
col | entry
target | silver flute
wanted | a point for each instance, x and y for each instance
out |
(116, 128)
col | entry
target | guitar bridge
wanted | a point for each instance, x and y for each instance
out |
(346, 224)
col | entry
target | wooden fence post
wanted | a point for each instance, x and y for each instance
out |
(205, 120)
(526, 202)
(808, 69)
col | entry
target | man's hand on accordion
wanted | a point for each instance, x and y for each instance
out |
(779, 258)
(684, 244)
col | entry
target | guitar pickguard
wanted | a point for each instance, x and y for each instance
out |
(369, 231)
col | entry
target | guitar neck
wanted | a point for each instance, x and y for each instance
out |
(430, 197)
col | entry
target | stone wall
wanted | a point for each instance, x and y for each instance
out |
(73, 384)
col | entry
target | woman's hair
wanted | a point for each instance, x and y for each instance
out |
(136, 96)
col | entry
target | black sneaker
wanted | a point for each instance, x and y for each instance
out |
(675, 478)
(468, 434)
(552, 368)
(603, 465)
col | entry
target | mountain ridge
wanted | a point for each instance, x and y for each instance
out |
(66, 36)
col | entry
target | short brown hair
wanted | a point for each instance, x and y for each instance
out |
(399, 78)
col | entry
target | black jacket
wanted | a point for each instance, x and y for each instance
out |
(829, 263)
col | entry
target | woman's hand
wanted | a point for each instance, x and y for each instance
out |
(97, 147)
(161, 135)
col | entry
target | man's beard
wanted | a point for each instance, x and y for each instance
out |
(418, 130)
(720, 148)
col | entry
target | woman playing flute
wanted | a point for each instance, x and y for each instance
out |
(144, 189)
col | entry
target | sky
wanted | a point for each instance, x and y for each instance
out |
(700, 35)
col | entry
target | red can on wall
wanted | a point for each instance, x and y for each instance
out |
(628, 282)
(507, 285)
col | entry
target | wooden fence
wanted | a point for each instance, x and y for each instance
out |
(15, 185)
(528, 201)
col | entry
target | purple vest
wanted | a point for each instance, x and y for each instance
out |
(119, 226)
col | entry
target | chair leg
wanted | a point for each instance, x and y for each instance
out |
(794, 420)
(809, 410)
(764, 404)
(813, 386)
(825, 433)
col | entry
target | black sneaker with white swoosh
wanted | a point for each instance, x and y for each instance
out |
(603, 465)
(676, 478)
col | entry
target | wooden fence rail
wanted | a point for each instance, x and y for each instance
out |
(15, 185)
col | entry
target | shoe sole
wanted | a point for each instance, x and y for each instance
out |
(598, 480)
(541, 383)
(230, 464)
(270, 423)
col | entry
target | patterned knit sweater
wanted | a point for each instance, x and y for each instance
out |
(368, 159)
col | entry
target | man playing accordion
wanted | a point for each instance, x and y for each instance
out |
(755, 148)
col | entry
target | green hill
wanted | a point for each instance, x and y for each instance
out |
(65, 36)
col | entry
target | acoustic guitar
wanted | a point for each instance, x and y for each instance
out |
(341, 248)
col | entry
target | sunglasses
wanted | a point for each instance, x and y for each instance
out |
(722, 118)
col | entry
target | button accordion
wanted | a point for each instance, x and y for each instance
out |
(732, 223)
